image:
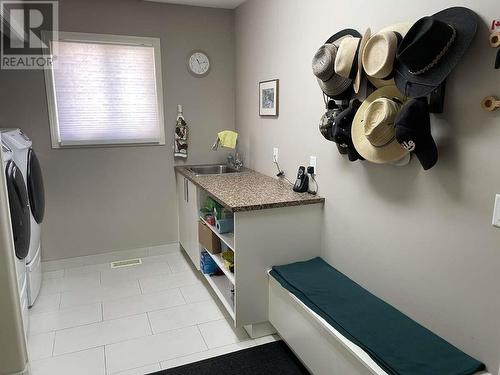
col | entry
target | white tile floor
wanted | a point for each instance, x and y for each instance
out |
(90, 319)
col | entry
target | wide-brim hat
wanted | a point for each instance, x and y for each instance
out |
(380, 54)
(424, 80)
(402, 162)
(323, 65)
(348, 62)
(390, 151)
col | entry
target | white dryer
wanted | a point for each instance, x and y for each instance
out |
(20, 220)
(26, 159)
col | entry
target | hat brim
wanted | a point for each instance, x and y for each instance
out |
(352, 154)
(357, 80)
(381, 155)
(405, 160)
(464, 21)
(337, 37)
(333, 88)
(427, 154)
(402, 29)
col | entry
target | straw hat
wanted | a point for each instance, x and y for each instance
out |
(402, 162)
(380, 52)
(348, 62)
(323, 66)
(373, 128)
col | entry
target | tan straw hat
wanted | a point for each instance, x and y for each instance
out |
(373, 131)
(380, 52)
(348, 62)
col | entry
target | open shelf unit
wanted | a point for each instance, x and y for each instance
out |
(261, 238)
(220, 263)
(227, 238)
(222, 287)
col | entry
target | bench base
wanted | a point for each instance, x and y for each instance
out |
(320, 347)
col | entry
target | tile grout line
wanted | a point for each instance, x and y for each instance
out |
(61, 355)
(136, 368)
(140, 286)
(98, 345)
(102, 345)
(150, 325)
(89, 324)
(54, 344)
(133, 339)
(63, 329)
(105, 361)
(202, 337)
(169, 266)
(183, 296)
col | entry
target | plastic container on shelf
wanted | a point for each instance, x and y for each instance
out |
(207, 264)
(225, 225)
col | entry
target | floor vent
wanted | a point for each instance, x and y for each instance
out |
(126, 263)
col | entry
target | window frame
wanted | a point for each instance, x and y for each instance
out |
(104, 39)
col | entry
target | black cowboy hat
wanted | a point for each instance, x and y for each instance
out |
(432, 48)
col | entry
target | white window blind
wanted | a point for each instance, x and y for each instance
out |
(105, 90)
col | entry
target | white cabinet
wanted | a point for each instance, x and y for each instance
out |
(260, 239)
(187, 202)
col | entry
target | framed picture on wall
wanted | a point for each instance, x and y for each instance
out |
(269, 98)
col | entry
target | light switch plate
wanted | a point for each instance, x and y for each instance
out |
(312, 163)
(496, 212)
(276, 154)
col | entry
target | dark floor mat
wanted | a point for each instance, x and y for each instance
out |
(274, 358)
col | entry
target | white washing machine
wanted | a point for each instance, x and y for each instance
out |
(26, 159)
(19, 214)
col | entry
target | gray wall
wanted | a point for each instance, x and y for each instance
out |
(106, 199)
(423, 241)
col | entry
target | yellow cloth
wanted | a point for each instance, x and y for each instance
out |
(228, 138)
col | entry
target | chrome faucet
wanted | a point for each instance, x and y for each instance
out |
(235, 161)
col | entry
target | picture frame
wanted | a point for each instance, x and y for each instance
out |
(269, 98)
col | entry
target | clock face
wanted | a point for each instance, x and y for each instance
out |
(199, 63)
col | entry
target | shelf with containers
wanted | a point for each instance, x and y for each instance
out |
(213, 247)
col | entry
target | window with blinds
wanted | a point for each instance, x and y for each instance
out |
(105, 90)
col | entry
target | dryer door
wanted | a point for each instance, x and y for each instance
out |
(19, 209)
(36, 191)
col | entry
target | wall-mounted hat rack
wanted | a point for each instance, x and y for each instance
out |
(495, 43)
(492, 103)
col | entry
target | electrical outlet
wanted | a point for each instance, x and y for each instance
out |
(312, 163)
(276, 154)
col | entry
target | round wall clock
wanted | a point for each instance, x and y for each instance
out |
(198, 63)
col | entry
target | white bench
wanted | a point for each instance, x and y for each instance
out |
(322, 349)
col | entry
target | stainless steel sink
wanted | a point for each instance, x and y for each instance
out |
(212, 169)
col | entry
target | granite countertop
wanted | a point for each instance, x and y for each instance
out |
(248, 190)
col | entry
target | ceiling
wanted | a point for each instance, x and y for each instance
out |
(226, 4)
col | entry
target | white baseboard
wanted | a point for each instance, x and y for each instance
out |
(26, 371)
(53, 265)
